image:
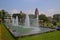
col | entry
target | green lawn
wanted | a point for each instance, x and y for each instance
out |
(5, 35)
(46, 36)
(58, 23)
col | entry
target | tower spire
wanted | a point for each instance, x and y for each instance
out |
(36, 11)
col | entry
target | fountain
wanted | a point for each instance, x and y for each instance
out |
(26, 29)
(37, 21)
(13, 21)
(16, 20)
(27, 21)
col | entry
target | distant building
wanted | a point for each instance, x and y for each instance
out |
(36, 11)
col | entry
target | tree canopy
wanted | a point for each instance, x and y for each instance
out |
(43, 17)
(56, 17)
(3, 14)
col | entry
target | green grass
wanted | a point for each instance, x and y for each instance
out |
(5, 35)
(58, 23)
(46, 36)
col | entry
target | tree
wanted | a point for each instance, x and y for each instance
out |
(0, 15)
(56, 17)
(43, 17)
(3, 14)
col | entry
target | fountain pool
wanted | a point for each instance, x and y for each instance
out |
(22, 30)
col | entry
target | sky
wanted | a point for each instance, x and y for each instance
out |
(47, 7)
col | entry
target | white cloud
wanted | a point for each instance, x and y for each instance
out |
(29, 12)
(14, 11)
(1, 8)
(50, 12)
(53, 11)
(18, 11)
